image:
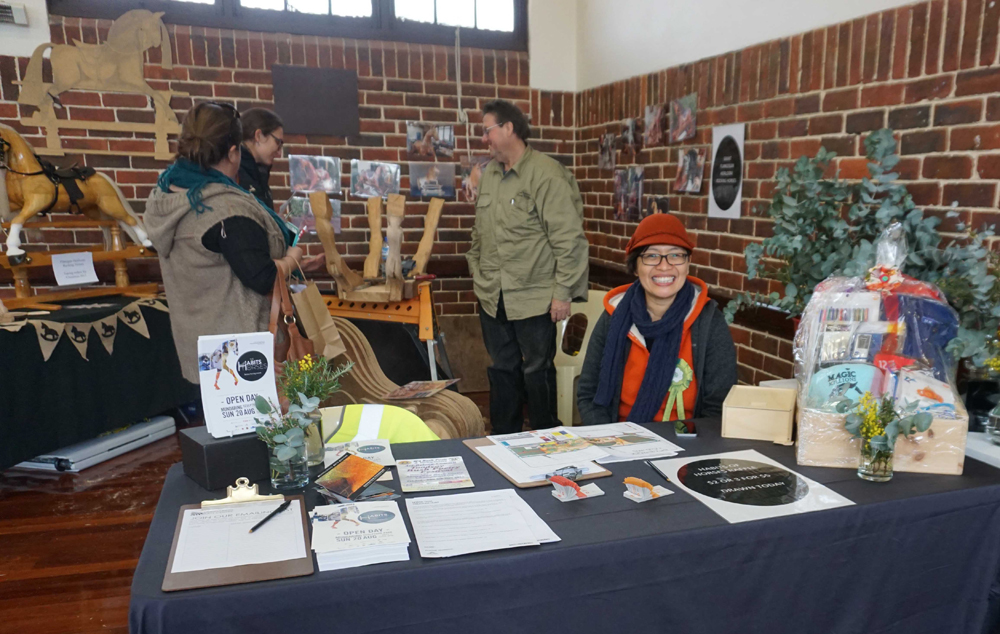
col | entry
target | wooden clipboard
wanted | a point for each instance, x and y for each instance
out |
(475, 443)
(241, 494)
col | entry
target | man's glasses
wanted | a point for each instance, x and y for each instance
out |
(487, 129)
(673, 259)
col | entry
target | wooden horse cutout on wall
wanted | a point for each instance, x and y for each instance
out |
(114, 66)
(25, 191)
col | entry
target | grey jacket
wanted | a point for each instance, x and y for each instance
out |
(206, 297)
(711, 345)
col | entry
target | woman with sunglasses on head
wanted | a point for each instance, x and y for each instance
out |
(662, 350)
(263, 139)
(219, 247)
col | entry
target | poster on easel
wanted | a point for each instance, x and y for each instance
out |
(725, 192)
(232, 371)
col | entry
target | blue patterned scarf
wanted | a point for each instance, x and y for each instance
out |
(663, 339)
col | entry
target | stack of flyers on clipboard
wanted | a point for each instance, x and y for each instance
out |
(358, 534)
(549, 449)
(627, 441)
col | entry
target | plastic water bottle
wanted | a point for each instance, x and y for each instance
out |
(385, 253)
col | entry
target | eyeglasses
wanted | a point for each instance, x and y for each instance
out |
(487, 129)
(673, 259)
(280, 142)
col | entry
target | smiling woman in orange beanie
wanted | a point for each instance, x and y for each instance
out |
(662, 350)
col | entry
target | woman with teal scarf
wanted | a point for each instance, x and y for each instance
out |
(219, 248)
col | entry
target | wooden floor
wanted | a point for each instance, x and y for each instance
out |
(69, 543)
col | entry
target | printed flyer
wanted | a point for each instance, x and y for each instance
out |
(233, 370)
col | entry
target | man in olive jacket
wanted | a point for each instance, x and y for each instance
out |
(529, 261)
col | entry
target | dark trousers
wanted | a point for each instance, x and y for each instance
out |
(522, 351)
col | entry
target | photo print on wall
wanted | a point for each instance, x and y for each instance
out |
(656, 205)
(472, 172)
(314, 173)
(606, 152)
(627, 200)
(652, 133)
(683, 115)
(432, 179)
(630, 137)
(370, 178)
(690, 170)
(425, 141)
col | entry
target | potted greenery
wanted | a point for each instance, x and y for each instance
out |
(284, 435)
(827, 226)
(315, 378)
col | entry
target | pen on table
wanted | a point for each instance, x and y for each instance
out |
(650, 464)
(270, 515)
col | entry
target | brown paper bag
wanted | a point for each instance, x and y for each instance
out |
(317, 322)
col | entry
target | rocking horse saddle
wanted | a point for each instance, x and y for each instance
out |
(67, 178)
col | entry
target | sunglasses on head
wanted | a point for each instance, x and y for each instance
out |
(226, 106)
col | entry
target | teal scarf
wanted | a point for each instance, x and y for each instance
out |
(185, 174)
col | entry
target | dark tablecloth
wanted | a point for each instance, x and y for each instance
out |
(47, 405)
(918, 554)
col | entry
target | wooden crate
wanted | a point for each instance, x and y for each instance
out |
(823, 442)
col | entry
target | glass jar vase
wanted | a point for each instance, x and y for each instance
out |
(875, 464)
(315, 450)
(289, 467)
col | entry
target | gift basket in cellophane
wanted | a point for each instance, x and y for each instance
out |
(882, 334)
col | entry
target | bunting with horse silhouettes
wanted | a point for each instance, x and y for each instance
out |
(115, 65)
(49, 333)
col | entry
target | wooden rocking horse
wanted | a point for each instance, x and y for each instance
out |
(29, 187)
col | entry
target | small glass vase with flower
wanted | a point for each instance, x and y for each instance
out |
(315, 378)
(878, 423)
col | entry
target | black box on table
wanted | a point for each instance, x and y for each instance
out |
(215, 463)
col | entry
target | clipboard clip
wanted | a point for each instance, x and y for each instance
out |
(242, 493)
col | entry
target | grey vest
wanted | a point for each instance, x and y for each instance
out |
(205, 296)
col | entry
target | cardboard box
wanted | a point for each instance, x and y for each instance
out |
(823, 442)
(759, 413)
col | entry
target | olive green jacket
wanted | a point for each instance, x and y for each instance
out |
(528, 238)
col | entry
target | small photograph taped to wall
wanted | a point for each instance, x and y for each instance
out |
(298, 211)
(472, 172)
(426, 141)
(314, 174)
(432, 179)
(371, 178)
(690, 171)
(652, 133)
(683, 116)
(633, 200)
(630, 137)
(620, 195)
(606, 152)
(656, 205)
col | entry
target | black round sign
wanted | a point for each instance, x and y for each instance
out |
(252, 365)
(727, 172)
(743, 482)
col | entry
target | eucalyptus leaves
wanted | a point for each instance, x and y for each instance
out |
(826, 226)
(284, 434)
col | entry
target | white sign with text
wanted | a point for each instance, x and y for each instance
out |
(74, 269)
(233, 370)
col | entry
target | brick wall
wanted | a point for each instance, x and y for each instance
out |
(397, 82)
(928, 70)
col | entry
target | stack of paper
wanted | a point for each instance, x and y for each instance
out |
(450, 525)
(378, 451)
(627, 441)
(359, 534)
(433, 474)
(549, 449)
